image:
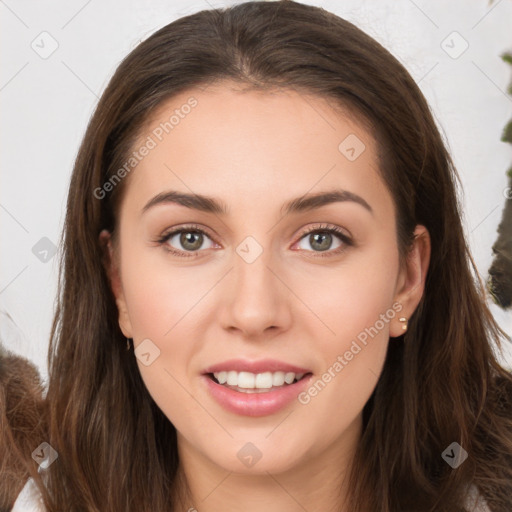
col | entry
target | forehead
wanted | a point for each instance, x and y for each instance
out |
(226, 141)
(222, 106)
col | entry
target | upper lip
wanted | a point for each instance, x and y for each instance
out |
(260, 366)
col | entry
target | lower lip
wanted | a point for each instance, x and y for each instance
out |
(255, 404)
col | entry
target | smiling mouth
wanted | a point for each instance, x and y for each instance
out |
(247, 382)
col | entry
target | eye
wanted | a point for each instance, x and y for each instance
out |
(321, 239)
(186, 239)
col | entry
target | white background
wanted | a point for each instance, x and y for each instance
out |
(46, 104)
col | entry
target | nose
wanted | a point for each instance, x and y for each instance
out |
(256, 299)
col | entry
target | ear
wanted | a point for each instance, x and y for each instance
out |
(411, 280)
(111, 264)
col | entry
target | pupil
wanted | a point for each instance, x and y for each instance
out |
(192, 240)
(323, 238)
(187, 240)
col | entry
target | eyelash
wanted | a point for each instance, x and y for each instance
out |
(347, 241)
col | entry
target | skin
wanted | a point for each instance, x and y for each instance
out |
(255, 151)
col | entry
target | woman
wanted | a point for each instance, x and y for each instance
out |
(267, 301)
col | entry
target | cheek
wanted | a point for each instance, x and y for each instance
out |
(161, 295)
(163, 304)
(350, 298)
(356, 305)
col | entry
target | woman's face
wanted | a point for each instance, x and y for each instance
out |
(225, 264)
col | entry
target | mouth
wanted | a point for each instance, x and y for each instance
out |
(255, 388)
(248, 382)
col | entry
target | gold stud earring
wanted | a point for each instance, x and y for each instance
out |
(404, 322)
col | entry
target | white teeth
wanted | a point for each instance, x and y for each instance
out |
(289, 377)
(264, 380)
(222, 377)
(278, 379)
(248, 380)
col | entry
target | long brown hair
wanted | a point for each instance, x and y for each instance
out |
(441, 381)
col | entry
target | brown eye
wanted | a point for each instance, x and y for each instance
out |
(321, 241)
(325, 240)
(186, 240)
(191, 240)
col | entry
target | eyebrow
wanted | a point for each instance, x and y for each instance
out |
(300, 204)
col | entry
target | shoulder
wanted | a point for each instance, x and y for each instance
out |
(29, 499)
(475, 501)
(22, 409)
